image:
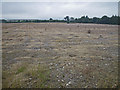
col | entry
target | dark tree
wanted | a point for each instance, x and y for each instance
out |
(95, 20)
(67, 19)
(50, 19)
(72, 19)
(105, 20)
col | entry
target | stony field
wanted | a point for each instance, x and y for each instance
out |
(59, 55)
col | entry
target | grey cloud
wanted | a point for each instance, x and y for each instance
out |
(45, 10)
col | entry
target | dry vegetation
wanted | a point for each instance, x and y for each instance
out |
(38, 55)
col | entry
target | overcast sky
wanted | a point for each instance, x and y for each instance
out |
(57, 10)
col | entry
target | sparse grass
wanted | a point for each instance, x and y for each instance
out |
(21, 69)
(26, 75)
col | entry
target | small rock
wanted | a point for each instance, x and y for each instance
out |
(50, 68)
(103, 58)
(30, 78)
(104, 48)
(89, 31)
(86, 64)
(69, 63)
(35, 81)
(100, 36)
(51, 63)
(72, 55)
(88, 35)
(81, 76)
(66, 64)
(62, 80)
(69, 82)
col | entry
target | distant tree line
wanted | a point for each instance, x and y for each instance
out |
(104, 20)
(84, 19)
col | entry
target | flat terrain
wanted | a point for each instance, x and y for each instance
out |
(59, 55)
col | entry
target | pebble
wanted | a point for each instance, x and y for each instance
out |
(86, 64)
(50, 68)
(81, 76)
(59, 61)
(51, 64)
(100, 36)
(72, 55)
(88, 35)
(104, 48)
(62, 80)
(30, 78)
(69, 63)
(66, 64)
(35, 81)
(68, 83)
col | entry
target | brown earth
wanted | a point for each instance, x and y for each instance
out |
(59, 55)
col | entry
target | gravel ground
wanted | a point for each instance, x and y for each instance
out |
(73, 57)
